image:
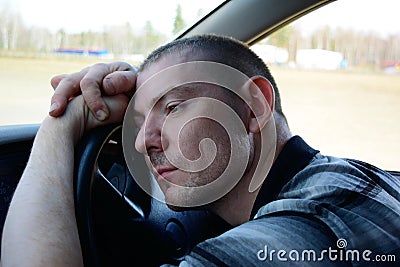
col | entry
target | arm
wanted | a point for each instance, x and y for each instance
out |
(40, 228)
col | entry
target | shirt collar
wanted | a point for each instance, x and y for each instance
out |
(294, 157)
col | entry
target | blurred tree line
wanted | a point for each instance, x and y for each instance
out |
(118, 39)
(357, 47)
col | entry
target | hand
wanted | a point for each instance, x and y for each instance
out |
(78, 119)
(93, 83)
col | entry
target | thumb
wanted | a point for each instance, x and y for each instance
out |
(120, 82)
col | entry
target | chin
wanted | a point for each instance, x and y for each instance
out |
(175, 203)
(178, 199)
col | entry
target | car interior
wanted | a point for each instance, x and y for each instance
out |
(118, 222)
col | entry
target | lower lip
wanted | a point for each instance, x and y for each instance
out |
(165, 175)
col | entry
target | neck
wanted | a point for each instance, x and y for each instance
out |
(236, 206)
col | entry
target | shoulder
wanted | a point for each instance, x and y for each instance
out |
(357, 201)
(335, 176)
(259, 241)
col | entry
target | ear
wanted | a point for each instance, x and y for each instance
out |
(262, 99)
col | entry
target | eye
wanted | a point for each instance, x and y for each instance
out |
(172, 107)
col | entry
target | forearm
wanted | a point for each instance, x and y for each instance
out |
(40, 228)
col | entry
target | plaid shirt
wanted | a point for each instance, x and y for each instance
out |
(314, 210)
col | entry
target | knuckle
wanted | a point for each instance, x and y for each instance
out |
(100, 66)
(125, 66)
(71, 82)
(87, 82)
(120, 65)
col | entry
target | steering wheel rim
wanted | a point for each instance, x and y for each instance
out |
(172, 233)
(87, 151)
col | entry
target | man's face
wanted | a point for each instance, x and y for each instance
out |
(183, 150)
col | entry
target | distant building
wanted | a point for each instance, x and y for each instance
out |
(72, 51)
(319, 59)
(271, 54)
(390, 66)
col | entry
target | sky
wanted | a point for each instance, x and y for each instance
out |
(363, 15)
(84, 15)
(73, 15)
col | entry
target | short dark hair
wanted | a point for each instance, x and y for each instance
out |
(221, 49)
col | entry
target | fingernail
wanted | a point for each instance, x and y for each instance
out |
(101, 115)
(53, 107)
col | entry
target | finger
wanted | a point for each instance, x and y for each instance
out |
(55, 81)
(120, 65)
(91, 86)
(92, 83)
(117, 105)
(67, 87)
(120, 82)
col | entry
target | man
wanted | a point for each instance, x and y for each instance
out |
(306, 209)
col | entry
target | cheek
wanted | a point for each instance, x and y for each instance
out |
(200, 129)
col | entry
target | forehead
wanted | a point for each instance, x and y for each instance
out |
(169, 76)
(165, 61)
(148, 88)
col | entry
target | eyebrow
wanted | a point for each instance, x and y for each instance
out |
(181, 91)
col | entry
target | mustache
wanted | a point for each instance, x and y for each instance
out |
(158, 159)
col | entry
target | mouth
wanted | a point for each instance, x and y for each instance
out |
(164, 172)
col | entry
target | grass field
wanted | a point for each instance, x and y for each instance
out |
(353, 115)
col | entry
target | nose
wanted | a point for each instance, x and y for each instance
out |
(149, 137)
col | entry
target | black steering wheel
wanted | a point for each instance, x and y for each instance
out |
(120, 224)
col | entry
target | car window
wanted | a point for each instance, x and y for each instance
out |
(42, 38)
(338, 71)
